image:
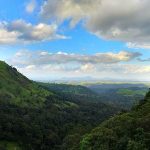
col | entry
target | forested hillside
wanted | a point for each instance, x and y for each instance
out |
(68, 89)
(33, 117)
(123, 95)
(128, 131)
(75, 93)
(42, 116)
(17, 89)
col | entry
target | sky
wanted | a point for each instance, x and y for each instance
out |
(56, 39)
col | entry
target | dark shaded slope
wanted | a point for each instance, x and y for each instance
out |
(129, 131)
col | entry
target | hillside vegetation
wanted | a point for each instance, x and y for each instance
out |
(17, 89)
(41, 116)
(35, 117)
(128, 131)
(120, 94)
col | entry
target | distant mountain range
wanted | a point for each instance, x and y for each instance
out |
(89, 80)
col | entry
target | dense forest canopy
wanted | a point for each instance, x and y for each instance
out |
(128, 131)
(33, 116)
(48, 116)
(123, 95)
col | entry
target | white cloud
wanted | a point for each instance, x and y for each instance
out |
(100, 71)
(43, 57)
(30, 7)
(87, 68)
(7, 36)
(61, 64)
(20, 31)
(136, 45)
(119, 20)
(30, 67)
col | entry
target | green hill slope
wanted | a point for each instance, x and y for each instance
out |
(128, 131)
(123, 95)
(75, 93)
(68, 89)
(33, 117)
(17, 89)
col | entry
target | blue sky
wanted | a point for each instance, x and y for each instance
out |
(87, 43)
(89, 39)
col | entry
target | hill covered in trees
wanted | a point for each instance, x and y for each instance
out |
(34, 116)
(123, 95)
(17, 89)
(127, 131)
(66, 117)
(75, 93)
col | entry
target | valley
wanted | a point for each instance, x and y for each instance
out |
(74, 75)
(34, 116)
(50, 116)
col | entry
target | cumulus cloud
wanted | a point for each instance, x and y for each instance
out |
(43, 58)
(119, 20)
(7, 36)
(100, 71)
(137, 46)
(21, 31)
(30, 7)
(59, 10)
(62, 64)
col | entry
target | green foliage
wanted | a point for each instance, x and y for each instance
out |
(17, 89)
(129, 131)
(120, 94)
(129, 92)
(69, 89)
(4, 145)
(36, 117)
(39, 116)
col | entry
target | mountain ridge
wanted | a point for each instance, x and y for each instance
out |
(19, 89)
(33, 117)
